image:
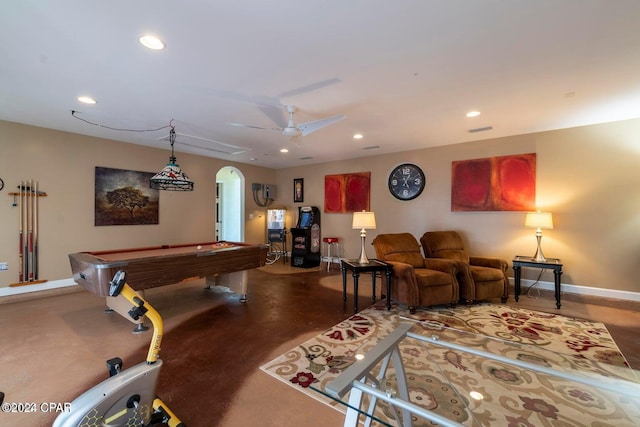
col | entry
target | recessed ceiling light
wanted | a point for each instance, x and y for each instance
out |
(152, 42)
(86, 100)
(284, 150)
(358, 136)
(473, 113)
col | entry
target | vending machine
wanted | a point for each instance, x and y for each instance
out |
(276, 230)
(305, 238)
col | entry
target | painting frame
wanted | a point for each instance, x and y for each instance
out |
(298, 190)
(125, 197)
(502, 183)
(347, 192)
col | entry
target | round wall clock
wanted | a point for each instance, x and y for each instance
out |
(406, 181)
(1, 184)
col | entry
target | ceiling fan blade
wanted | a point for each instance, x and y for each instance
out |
(309, 127)
(274, 113)
(308, 88)
(241, 125)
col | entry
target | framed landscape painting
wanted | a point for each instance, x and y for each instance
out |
(124, 197)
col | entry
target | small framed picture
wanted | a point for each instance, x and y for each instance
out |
(298, 190)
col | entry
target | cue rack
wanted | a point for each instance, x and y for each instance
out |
(27, 198)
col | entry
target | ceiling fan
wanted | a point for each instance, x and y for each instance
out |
(293, 130)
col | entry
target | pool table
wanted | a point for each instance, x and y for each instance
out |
(150, 267)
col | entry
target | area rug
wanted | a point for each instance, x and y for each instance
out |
(439, 378)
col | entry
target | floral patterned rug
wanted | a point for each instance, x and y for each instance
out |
(440, 378)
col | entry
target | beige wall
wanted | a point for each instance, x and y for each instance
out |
(587, 177)
(64, 165)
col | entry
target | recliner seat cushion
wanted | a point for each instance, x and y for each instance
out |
(485, 274)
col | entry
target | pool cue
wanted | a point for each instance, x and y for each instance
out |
(21, 250)
(26, 231)
(30, 225)
(35, 231)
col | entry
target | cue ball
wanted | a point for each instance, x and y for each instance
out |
(199, 247)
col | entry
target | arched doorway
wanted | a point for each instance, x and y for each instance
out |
(229, 204)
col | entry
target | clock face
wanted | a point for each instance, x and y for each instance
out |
(406, 181)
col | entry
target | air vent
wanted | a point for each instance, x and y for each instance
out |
(371, 147)
(484, 129)
(206, 144)
(306, 158)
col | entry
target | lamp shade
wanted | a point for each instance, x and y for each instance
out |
(538, 220)
(171, 178)
(364, 220)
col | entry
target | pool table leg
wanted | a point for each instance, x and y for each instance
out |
(242, 276)
(236, 281)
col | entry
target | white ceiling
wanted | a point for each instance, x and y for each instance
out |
(404, 72)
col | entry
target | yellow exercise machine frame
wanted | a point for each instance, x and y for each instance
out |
(126, 397)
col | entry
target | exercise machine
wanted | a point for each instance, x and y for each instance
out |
(127, 397)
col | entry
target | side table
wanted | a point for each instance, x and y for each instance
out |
(356, 268)
(529, 262)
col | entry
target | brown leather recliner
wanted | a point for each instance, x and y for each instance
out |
(416, 281)
(479, 278)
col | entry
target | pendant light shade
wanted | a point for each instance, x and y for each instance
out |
(171, 178)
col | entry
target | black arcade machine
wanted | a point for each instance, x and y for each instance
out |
(305, 238)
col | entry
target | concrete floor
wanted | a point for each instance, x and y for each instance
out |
(54, 348)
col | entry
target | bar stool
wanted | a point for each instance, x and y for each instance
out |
(331, 255)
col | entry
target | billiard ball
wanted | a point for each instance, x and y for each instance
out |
(199, 247)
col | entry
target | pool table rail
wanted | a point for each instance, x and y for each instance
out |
(159, 266)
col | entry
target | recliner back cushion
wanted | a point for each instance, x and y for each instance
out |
(411, 258)
(399, 247)
(444, 244)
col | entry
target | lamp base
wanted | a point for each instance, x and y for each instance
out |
(539, 256)
(363, 254)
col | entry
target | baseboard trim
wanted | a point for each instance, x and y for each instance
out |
(583, 294)
(25, 292)
(582, 290)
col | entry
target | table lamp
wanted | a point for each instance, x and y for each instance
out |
(539, 220)
(364, 221)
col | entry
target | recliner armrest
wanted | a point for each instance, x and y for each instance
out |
(489, 262)
(403, 270)
(405, 282)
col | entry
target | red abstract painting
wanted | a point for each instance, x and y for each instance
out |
(506, 183)
(348, 192)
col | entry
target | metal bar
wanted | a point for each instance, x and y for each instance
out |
(408, 406)
(618, 386)
(344, 382)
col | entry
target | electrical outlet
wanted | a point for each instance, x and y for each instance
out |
(4, 266)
